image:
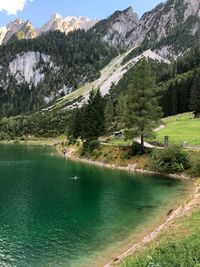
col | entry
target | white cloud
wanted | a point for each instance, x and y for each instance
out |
(13, 6)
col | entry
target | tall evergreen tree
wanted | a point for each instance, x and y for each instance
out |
(195, 95)
(121, 110)
(143, 111)
(109, 115)
(94, 116)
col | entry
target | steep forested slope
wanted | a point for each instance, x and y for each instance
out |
(178, 83)
(35, 71)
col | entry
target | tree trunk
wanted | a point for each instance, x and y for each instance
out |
(142, 143)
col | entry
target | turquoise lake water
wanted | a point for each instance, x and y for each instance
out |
(48, 219)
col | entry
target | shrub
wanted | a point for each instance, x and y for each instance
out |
(135, 149)
(88, 147)
(195, 170)
(95, 154)
(4, 136)
(170, 160)
(124, 154)
(91, 145)
(108, 158)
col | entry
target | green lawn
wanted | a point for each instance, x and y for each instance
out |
(181, 128)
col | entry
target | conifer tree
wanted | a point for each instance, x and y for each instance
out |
(143, 111)
(121, 110)
(195, 95)
(94, 116)
(109, 115)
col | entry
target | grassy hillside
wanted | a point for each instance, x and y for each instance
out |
(180, 128)
(177, 246)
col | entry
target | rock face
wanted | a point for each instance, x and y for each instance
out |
(117, 28)
(177, 20)
(19, 29)
(67, 24)
(24, 29)
(24, 68)
(159, 23)
(166, 28)
(3, 32)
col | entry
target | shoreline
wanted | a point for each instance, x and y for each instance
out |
(130, 168)
(185, 207)
(190, 203)
(193, 202)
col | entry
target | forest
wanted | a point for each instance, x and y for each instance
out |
(77, 57)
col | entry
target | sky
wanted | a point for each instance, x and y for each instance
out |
(39, 11)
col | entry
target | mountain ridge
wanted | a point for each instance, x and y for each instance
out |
(25, 29)
(73, 60)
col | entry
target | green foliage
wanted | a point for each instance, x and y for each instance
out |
(195, 94)
(178, 82)
(50, 124)
(92, 145)
(90, 149)
(142, 112)
(135, 149)
(109, 114)
(108, 157)
(95, 154)
(195, 169)
(170, 160)
(88, 123)
(121, 110)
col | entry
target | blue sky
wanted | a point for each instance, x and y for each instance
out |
(39, 11)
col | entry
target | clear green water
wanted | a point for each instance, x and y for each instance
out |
(47, 219)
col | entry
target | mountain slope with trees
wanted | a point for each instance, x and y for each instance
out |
(73, 60)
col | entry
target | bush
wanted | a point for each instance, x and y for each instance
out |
(135, 149)
(125, 153)
(88, 147)
(108, 158)
(170, 160)
(95, 154)
(4, 136)
(195, 170)
(92, 145)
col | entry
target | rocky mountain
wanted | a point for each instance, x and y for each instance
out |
(19, 29)
(117, 29)
(24, 29)
(68, 24)
(170, 28)
(35, 73)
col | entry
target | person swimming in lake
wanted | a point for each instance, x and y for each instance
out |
(75, 178)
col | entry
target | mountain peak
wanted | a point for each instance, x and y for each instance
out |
(56, 16)
(67, 24)
(118, 27)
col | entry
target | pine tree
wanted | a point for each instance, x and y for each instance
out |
(109, 114)
(94, 116)
(195, 95)
(121, 110)
(143, 111)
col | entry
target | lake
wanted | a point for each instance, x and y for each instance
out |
(49, 219)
